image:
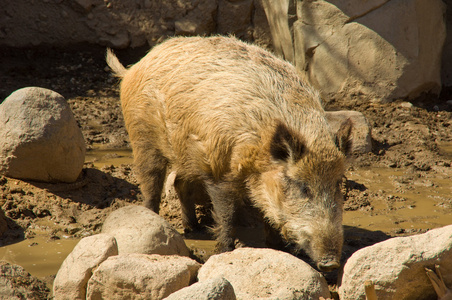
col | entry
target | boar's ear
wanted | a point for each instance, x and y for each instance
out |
(343, 137)
(286, 144)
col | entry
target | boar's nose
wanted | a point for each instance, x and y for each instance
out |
(328, 266)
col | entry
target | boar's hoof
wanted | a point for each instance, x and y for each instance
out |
(328, 266)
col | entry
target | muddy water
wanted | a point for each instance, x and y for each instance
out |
(40, 256)
(101, 156)
(407, 203)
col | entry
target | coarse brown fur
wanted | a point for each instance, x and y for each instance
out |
(237, 122)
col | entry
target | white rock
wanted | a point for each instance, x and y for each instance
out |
(141, 276)
(40, 137)
(384, 49)
(266, 274)
(397, 266)
(361, 131)
(138, 229)
(76, 269)
(213, 289)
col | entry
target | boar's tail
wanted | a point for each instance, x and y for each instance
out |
(113, 62)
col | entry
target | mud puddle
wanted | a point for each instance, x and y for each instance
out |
(399, 200)
(101, 156)
(40, 256)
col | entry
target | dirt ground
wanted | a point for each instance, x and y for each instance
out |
(412, 139)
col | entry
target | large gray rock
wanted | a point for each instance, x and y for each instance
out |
(383, 49)
(397, 266)
(40, 138)
(138, 229)
(75, 271)
(212, 289)
(266, 274)
(141, 276)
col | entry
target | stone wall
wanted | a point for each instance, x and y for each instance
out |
(386, 49)
(126, 23)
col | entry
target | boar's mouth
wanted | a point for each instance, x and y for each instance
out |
(324, 251)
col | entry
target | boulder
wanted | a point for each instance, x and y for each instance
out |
(361, 131)
(40, 138)
(138, 229)
(397, 266)
(265, 274)
(76, 269)
(383, 49)
(212, 289)
(141, 276)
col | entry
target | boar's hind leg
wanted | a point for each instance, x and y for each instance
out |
(224, 201)
(188, 193)
(151, 167)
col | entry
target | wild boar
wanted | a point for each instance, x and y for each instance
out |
(237, 123)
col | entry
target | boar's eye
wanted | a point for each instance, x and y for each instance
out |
(305, 190)
(297, 186)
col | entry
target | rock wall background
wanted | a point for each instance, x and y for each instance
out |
(126, 23)
(409, 35)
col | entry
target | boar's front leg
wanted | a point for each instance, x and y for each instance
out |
(224, 200)
(150, 167)
(190, 193)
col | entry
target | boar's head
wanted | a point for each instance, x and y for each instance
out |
(300, 194)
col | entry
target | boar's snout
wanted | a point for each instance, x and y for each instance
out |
(328, 265)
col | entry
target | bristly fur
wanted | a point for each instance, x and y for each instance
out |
(113, 62)
(206, 109)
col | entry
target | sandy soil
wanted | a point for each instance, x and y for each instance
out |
(414, 140)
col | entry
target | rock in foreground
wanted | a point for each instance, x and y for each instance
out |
(266, 274)
(138, 229)
(76, 269)
(397, 266)
(212, 289)
(141, 276)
